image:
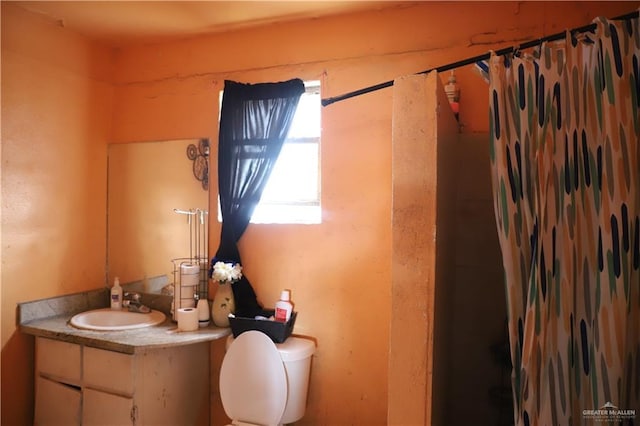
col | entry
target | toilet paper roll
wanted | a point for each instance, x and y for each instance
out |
(187, 286)
(187, 319)
(189, 269)
(190, 280)
(186, 293)
(189, 275)
(183, 298)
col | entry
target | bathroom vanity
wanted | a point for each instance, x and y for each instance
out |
(147, 376)
(78, 384)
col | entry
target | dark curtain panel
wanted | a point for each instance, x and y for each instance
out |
(254, 123)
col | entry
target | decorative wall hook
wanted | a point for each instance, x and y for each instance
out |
(200, 157)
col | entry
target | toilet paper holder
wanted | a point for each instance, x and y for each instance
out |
(190, 273)
(190, 283)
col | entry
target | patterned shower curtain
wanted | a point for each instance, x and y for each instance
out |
(566, 180)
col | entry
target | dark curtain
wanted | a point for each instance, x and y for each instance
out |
(254, 123)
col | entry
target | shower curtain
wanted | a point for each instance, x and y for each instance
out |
(566, 180)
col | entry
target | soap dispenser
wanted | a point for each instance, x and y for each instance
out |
(116, 294)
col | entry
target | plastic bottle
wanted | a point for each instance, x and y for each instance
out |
(116, 294)
(203, 312)
(283, 307)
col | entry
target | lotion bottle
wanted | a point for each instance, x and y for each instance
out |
(203, 312)
(116, 294)
(283, 307)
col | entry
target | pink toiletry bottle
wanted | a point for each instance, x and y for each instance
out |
(283, 307)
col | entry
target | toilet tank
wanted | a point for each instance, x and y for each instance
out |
(296, 353)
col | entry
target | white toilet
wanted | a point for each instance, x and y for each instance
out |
(265, 383)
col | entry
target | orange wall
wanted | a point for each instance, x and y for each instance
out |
(57, 108)
(56, 119)
(339, 271)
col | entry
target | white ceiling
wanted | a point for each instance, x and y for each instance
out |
(119, 23)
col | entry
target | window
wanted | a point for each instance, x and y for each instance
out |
(292, 194)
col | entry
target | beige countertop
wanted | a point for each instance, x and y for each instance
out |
(50, 318)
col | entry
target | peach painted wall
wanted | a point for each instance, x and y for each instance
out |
(57, 108)
(56, 120)
(339, 271)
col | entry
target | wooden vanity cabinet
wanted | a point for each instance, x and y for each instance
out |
(57, 403)
(81, 385)
(58, 383)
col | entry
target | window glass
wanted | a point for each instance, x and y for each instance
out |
(292, 194)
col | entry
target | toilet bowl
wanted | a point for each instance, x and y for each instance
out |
(265, 383)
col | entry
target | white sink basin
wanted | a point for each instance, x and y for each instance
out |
(108, 319)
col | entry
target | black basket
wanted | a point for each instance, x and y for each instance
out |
(278, 331)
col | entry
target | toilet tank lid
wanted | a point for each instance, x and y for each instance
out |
(292, 349)
(296, 348)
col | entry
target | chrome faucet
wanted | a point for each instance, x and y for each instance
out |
(132, 302)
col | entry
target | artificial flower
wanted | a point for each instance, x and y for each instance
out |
(226, 272)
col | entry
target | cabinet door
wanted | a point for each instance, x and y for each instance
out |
(56, 403)
(102, 408)
(58, 360)
(108, 371)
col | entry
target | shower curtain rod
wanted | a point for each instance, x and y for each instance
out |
(473, 60)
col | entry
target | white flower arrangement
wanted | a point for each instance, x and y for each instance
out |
(226, 272)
